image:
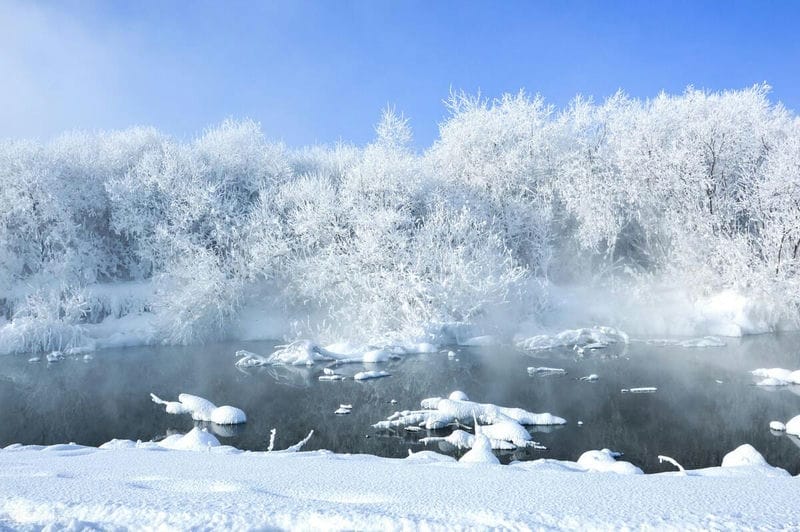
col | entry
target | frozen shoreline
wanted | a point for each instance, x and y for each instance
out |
(79, 487)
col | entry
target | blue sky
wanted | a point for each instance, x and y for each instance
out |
(322, 71)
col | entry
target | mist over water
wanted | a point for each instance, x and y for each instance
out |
(691, 417)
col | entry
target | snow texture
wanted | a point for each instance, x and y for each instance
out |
(129, 485)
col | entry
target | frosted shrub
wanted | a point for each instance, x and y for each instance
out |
(48, 320)
(195, 298)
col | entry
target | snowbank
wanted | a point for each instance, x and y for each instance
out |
(145, 486)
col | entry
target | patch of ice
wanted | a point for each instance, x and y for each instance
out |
(643, 389)
(458, 395)
(544, 371)
(365, 375)
(589, 378)
(777, 425)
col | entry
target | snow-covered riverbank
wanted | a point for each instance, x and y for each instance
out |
(74, 487)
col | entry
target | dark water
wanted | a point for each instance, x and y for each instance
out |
(691, 417)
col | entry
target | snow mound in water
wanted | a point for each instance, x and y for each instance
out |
(776, 376)
(202, 409)
(481, 452)
(195, 440)
(307, 353)
(587, 338)
(366, 375)
(227, 415)
(503, 426)
(605, 461)
(458, 395)
(744, 455)
(793, 426)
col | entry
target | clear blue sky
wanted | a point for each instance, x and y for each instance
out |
(320, 71)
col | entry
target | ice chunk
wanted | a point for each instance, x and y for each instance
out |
(545, 371)
(364, 375)
(777, 425)
(458, 395)
(643, 389)
(55, 356)
(590, 378)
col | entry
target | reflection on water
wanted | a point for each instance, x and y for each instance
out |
(705, 405)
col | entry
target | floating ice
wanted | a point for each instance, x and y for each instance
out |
(55, 356)
(202, 409)
(643, 389)
(458, 395)
(590, 378)
(705, 341)
(588, 338)
(364, 375)
(777, 425)
(544, 371)
(330, 375)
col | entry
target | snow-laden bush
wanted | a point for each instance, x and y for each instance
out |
(699, 191)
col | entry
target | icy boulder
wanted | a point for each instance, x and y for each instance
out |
(605, 461)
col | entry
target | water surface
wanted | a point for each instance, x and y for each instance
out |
(692, 417)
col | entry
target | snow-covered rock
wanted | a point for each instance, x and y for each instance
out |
(776, 376)
(777, 425)
(793, 426)
(605, 461)
(597, 337)
(202, 409)
(195, 440)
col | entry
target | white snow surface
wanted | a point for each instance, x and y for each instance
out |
(146, 486)
(597, 337)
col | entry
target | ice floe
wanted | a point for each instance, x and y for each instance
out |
(545, 371)
(202, 409)
(642, 389)
(590, 378)
(366, 375)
